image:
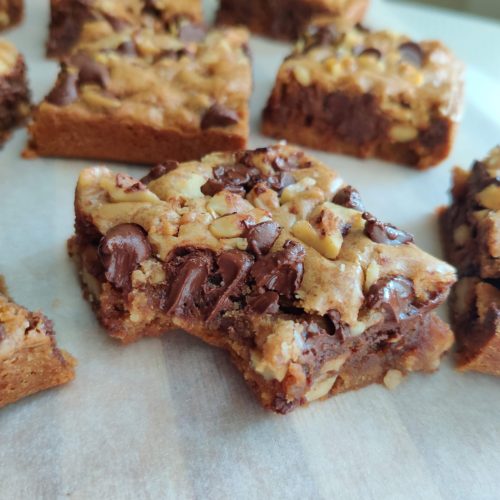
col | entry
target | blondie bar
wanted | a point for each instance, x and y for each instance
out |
(74, 20)
(270, 256)
(30, 361)
(287, 19)
(144, 97)
(14, 91)
(471, 238)
(367, 94)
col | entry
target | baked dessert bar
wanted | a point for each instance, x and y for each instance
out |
(367, 94)
(146, 97)
(266, 254)
(471, 238)
(30, 361)
(74, 20)
(11, 13)
(14, 91)
(287, 19)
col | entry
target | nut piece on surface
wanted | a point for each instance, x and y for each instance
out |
(392, 379)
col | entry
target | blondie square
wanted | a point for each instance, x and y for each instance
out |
(143, 96)
(287, 19)
(74, 20)
(470, 229)
(30, 361)
(270, 256)
(367, 94)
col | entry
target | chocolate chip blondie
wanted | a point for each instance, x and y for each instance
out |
(142, 96)
(266, 254)
(367, 94)
(11, 13)
(287, 19)
(30, 361)
(471, 238)
(74, 20)
(14, 91)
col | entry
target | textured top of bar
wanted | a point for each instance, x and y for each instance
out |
(307, 235)
(20, 327)
(184, 78)
(411, 79)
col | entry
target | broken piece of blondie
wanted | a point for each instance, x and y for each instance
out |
(73, 21)
(470, 229)
(367, 94)
(14, 91)
(269, 255)
(144, 97)
(30, 361)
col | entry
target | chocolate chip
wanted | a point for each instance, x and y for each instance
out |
(127, 48)
(280, 181)
(412, 53)
(122, 249)
(317, 36)
(287, 163)
(65, 91)
(265, 303)
(394, 295)
(129, 184)
(188, 275)
(282, 271)
(261, 237)
(435, 134)
(380, 232)
(369, 51)
(350, 198)
(340, 328)
(90, 71)
(233, 267)
(234, 178)
(3, 332)
(219, 116)
(160, 170)
(192, 33)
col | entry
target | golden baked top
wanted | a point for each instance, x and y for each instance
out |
(172, 79)
(279, 198)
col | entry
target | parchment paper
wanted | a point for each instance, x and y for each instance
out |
(170, 417)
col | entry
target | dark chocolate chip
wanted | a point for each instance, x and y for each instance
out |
(65, 91)
(280, 181)
(90, 71)
(160, 170)
(219, 116)
(3, 333)
(192, 33)
(122, 249)
(234, 266)
(287, 163)
(234, 178)
(350, 198)
(369, 51)
(127, 48)
(317, 36)
(282, 271)
(380, 232)
(129, 184)
(247, 50)
(436, 134)
(394, 295)
(261, 237)
(412, 53)
(265, 303)
(340, 328)
(188, 275)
